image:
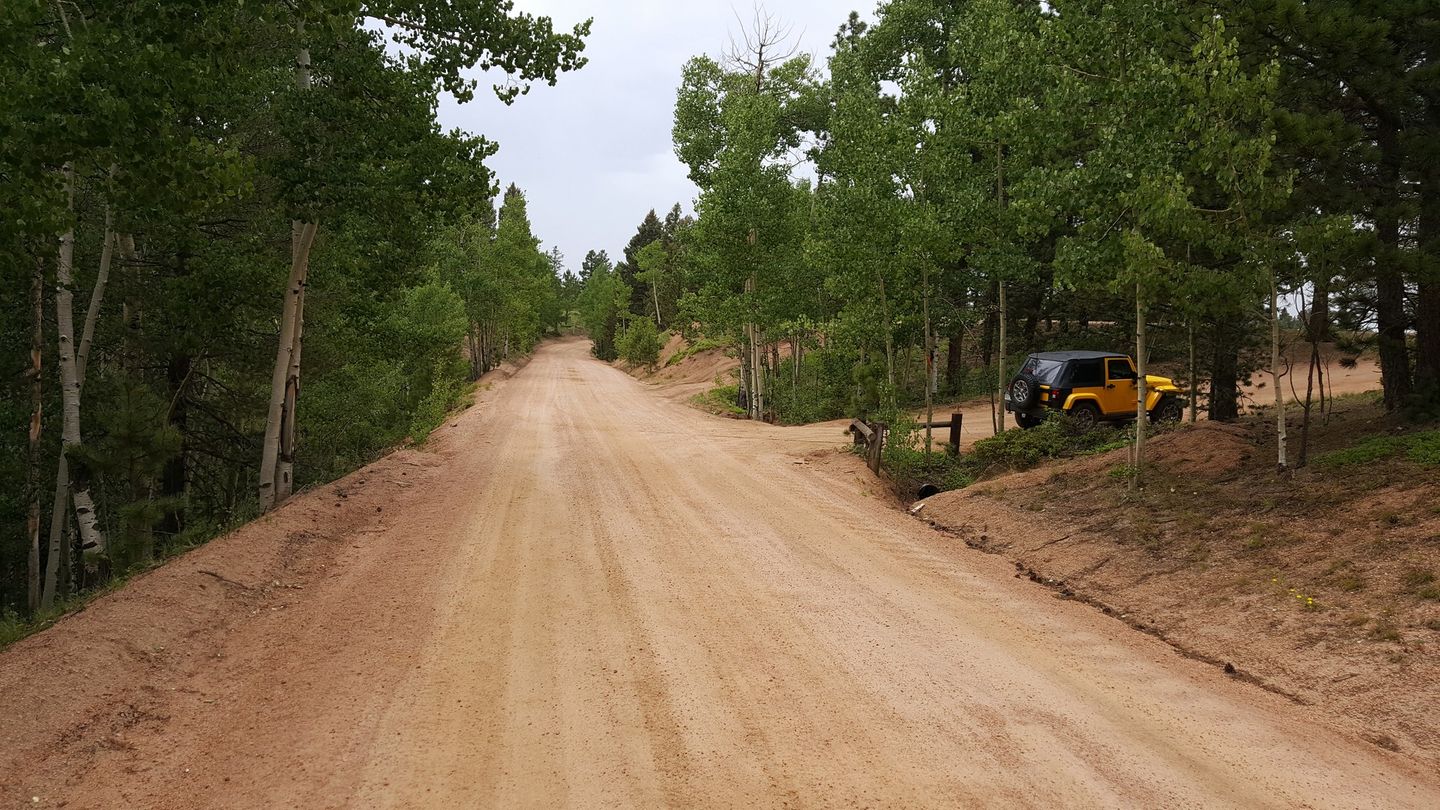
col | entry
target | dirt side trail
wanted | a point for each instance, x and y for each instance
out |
(588, 595)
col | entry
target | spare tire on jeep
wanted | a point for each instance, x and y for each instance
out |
(1024, 391)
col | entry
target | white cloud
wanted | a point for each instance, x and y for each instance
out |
(593, 153)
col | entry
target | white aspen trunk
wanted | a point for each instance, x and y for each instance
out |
(752, 336)
(270, 450)
(37, 412)
(655, 293)
(1276, 373)
(59, 517)
(757, 405)
(92, 539)
(1142, 413)
(280, 416)
(999, 410)
(285, 468)
(59, 531)
(97, 298)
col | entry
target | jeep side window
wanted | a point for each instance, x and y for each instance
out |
(1120, 369)
(1086, 374)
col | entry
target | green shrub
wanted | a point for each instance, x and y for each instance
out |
(910, 467)
(430, 413)
(1056, 437)
(640, 343)
(720, 400)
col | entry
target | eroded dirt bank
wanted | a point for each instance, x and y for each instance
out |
(1317, 585)
(586, 594)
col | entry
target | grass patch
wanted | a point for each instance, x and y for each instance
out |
(1350, 583)
(1385, 631)
(704, 344)
(1422, 448)
(1421, 582)
(719, 400)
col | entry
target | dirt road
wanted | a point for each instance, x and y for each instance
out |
(587, 595)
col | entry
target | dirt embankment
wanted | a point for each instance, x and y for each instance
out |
(681, 373)
(77, 699)
(1318, 586)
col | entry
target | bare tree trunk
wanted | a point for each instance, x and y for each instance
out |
(295, 285)
(130, 310)
(1142, 413)
(954, 357)
(997, 411)
(91, 537)
(37, 411)
(1427, 285)
(1194, 380)
(1316, 329)
(1309, 393)
(1389, 279)
(987, 336)
(929, 362)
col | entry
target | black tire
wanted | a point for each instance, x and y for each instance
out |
(1027, 421)
(1024, 391)
(1168, 409)
(1085, 414)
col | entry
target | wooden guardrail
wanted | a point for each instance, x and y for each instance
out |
(955, 423)
(872, 435)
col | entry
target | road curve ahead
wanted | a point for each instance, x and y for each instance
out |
(604, 599)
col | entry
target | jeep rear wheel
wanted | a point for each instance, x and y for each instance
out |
(1024, 391)
(1085, 414)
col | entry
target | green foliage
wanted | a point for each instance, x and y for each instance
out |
(603, 303)
(1421, 447)
(185, 129)
(1056, 437)
(823, 387)
(720, 400)
(910, 466)
(640, 343)
(703, 344)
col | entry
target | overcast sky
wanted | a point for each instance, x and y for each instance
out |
(593, 153)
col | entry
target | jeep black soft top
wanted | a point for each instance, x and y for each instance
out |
(1049, 367)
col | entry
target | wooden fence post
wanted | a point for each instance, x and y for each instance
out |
(877, 446)
(956, 421)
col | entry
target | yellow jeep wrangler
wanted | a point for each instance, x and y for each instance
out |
(1089, 386)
